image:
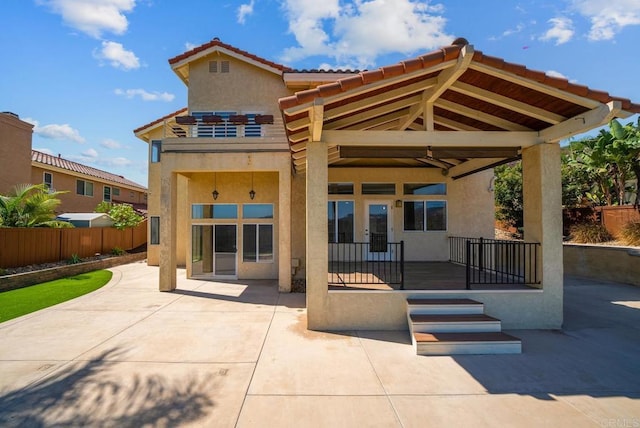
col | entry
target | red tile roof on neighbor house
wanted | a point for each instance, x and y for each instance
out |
(440, 56)
(58, 162)
(165, 117)
(216, 42)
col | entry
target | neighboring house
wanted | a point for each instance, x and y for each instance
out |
(15, 148)
(86, 186)
(275, 173)
(87, 219)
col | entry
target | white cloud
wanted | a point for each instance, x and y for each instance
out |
(55, 131)
(93, 17)
(188, 46)
(117, 56)
(608, 17)
(561, 30)
(90, 153)
(145, 95)
(44, 150)
(115, 162)
(358, 31)
(111, 144)
(553, 73)
(245, 10)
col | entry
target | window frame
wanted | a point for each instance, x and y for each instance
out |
(49, 184)
(104, 193)
(336, 229)
(425, 215)
(368, 193)
(84, 187)
(258, 252)
(154, 230)
(156, 151)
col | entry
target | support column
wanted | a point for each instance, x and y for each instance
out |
(168, 218)
(317, 243)
(542, 194)
(284, 229)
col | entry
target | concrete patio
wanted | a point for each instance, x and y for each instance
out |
(239, 354)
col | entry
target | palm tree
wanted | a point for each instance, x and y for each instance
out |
(30, 205)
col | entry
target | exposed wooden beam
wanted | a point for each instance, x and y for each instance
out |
(316, 117)
(472, 165)
(374, 112)
(299, 146)
(456, 126)
(506, 102)
(445, 166)
(383, 152)
(447, 77)
(393, 117)
(371, 102)
(431, 138)
(485, 167)
(479, 115)
(474, 152)
(536, 86)
(599, 116)
(414, 112)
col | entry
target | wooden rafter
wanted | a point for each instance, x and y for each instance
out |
(584, 122)
(480, 116)
(374, 112)
(432, 138)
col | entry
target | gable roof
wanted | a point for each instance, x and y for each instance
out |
(178, 63)
(454, 88)
(159, 121)
(58, 162)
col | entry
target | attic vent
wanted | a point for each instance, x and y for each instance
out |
(224, 66)
(213, 66)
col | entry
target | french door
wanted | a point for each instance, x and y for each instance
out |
(378, 231)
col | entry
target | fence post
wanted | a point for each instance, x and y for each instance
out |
(468, 263)
(401, 265)
(481, 255)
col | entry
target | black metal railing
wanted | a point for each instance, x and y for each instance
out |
(492, 261)
(353, 263)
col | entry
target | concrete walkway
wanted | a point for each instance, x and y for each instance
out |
(220, 354)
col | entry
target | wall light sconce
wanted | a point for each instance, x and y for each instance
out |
(398, 203)
(215, 192)
(252, 193)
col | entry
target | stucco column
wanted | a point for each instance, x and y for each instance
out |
(284, 229)
(317, 242)
(168, 218)
(542, 194)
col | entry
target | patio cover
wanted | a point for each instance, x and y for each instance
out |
(404, 115)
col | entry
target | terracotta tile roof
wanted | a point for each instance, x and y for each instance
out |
(440, 56)
(216, 42)
(168, 116)
(59, 162)
(325, 71)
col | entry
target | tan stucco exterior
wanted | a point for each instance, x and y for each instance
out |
(15, 152)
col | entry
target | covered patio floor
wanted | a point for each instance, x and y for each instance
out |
(417, 276)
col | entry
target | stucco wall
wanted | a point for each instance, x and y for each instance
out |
(15, 152)
(619, 264)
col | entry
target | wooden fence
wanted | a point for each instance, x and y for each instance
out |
(27, 246)
(613, 218)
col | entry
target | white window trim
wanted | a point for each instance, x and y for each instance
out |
(257, 225)
(335, 231)
(424, 218)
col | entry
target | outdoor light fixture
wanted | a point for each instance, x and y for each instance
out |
(215, 192)
(252, 193)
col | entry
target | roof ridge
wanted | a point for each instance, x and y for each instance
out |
(47, 159)
(166, 116)
(216, 42)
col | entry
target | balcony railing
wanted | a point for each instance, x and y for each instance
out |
(492, 261)
(214, 126)
(366, 263)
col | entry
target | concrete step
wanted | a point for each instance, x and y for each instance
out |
(465, 343)
(453, 323)
(444, 306)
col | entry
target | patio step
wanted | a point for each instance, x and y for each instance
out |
(462, 323)
(445, 306)
(456, 326)
(466, 343)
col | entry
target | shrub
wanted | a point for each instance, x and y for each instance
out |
(117, 251)
(590, 233)
(630, 234)
(75, 259)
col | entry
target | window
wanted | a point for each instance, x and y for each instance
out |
(378, 189)
(154, 223)
(425, 189)
(196, 244)
(214, 211)
(84, 188)
(48, 181)
(224, 66)
(257, 211)
(425, 215)
(341, 188)
(156, 149)
(252, 129)
(257, 242)
(116, 191)
(106, 194)
(340, 221)
(213, 66)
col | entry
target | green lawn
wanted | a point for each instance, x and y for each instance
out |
(23, 301)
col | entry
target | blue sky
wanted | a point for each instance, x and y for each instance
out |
(88, 72)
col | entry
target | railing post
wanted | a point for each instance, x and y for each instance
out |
(468, 263)
(481, 255)
(401, 265)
